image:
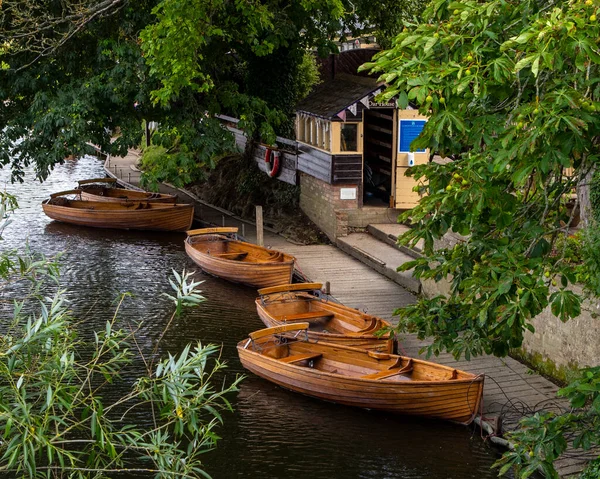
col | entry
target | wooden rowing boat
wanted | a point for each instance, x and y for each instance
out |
(219, 252)
(328, 320)
(95, 189)
(357, 377)
(135, 215)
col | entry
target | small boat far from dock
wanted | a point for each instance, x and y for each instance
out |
(135, 215)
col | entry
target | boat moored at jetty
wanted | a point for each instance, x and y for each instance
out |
(361, 378)
(105, 189)
(220, 252)
(328, 320)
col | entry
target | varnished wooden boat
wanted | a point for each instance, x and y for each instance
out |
(328, 320)
(218, 252)
(135, 215)
(361, 378)
(96, 189)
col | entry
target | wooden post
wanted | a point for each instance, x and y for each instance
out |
(259, 226)
(223, 220)
(243, 230)
(327, 288)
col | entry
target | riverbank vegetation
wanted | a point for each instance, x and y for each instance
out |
(64, 412)
(511, 92)
(78, 72)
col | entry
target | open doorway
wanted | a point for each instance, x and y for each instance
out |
(378, 154)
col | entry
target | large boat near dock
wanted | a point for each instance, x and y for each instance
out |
(361, 378)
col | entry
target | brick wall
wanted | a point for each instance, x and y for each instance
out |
(322, 204)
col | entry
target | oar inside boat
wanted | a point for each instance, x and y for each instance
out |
(226, 230)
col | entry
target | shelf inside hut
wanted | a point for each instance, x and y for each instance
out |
(378, 154)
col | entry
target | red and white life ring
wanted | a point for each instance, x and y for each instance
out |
(273, 160)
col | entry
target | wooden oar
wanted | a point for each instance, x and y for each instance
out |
(290, 287)
(208, 231)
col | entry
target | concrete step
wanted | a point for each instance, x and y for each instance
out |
(389, 233)
(380, 256)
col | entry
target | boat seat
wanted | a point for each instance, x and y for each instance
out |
(240, 255)
(372, 325)
(296, 358)
(306, 316)
(390, 372)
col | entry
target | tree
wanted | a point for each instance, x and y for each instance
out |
(41, 27)
(73, 73)
(511, 90)
(73, 76)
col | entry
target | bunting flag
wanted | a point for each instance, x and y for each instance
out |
(342, 115)
(353, 108)
(365, 101)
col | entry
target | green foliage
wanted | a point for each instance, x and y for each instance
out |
(517, 110)
(97, 69)
(77, 92)
(54, 418)
(592, 471)
(542, 438)
(590, 253)
(181, 155)
(510, 88)
(8, 204)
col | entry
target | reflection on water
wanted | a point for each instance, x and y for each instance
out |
(273, 433)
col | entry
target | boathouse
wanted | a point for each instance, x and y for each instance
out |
(351, 152)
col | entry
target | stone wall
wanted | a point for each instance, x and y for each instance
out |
(322, 204)
(556, 349)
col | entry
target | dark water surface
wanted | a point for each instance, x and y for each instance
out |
(273, 433)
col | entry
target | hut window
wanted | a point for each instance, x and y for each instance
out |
(349, 137)
(300, 128)
(313, 131)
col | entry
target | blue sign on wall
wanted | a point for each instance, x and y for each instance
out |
(408, 131)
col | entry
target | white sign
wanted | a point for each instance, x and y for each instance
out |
(347, 193)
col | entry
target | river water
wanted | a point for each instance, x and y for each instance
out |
(272, 433)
